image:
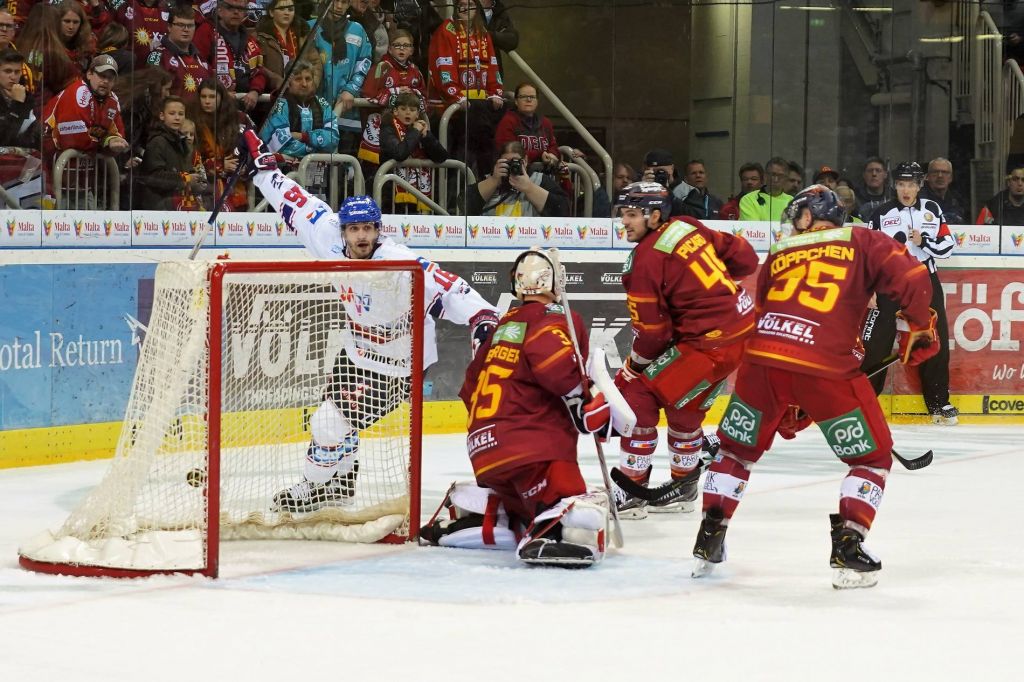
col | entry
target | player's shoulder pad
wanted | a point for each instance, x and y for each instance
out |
(672, 234)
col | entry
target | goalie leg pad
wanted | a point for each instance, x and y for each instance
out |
(334, 445)
(477, 520)
(570, 534)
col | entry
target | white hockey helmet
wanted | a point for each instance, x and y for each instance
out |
(538, 272)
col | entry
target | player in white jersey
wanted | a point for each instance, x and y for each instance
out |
(370, 378)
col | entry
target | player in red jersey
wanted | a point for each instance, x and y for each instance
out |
(529, 493)
(689, 322)
(799, 366)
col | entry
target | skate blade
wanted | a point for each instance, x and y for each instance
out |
(945, 421)
(848, 579)
(634, 514)
(559, 562)
(701, 568)
(677, 507)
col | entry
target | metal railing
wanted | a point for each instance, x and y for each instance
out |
(965, 24)
(335, 180)
(385, 175)
(1012, 108)
(987, 106)
(81, 180)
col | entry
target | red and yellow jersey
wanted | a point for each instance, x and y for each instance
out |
(462, 65)
(514, 387)
(75, 119)
(813, 291)
(680, 286)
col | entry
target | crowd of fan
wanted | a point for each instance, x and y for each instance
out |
(163, 88)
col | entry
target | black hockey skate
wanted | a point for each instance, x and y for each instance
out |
(547, 551)
(628, 506)
(679, 498)
(306, 496)
(710, 546)
(854, 565)
(430, 535)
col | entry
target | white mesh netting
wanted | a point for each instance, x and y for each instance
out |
(288, 337)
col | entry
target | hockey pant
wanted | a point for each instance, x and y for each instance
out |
(846, 411)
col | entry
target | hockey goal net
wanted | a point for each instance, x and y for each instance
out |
(236, 357)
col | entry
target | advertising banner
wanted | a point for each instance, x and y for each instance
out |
(89, 229)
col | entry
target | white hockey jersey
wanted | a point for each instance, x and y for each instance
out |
(377, 335)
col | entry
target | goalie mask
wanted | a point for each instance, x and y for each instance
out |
(823, 204)
(538, 272)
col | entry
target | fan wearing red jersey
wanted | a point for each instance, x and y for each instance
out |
(689, 321)
(527, 407)
(812, 292)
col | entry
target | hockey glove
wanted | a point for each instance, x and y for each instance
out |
(481, 325)
(261, 159)
(593, 416)
(916, 343)
(629, 371)
(794, 419)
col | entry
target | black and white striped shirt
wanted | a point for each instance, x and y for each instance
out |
(925, 216)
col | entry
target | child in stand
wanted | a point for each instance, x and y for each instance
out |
(193, 201)
(405, 133)
(166, 174)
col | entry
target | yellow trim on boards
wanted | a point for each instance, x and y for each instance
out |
(61, 444)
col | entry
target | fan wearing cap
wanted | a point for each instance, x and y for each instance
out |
(798, 368)
(86, 115)
(918, 223)
(828, 177)
(660, 167)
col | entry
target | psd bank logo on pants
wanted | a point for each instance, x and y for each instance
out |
(741, 422)
(848, 434)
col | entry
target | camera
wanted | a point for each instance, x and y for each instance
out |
(515, 167)
(661, 177)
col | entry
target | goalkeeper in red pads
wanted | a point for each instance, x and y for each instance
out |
(527, 406)
(799, 366)
(370, 377)
(689, 322)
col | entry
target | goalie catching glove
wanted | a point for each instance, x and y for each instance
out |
(916, 343)
(593, 416)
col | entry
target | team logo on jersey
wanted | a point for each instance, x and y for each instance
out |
(142, 37)
(83, 96)
(741, 422)
(848, 435)
(889, 222)
(928, 216)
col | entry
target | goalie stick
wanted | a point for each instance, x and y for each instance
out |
(244, 162)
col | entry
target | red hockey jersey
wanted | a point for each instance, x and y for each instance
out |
(514, 387)
(680, 286)
(813, 291)
(462, 65)
(233, 70)
(76, 120)
(146, 24)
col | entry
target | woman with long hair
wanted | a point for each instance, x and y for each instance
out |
(217, 120)
(280, 34)
(140, 94)
(76, 34)
(114, 40)
(41, 44)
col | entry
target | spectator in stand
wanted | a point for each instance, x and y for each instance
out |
(176, 54)
(768, 202)
(659, 166)
(8, 27)
(146, 21)
(40, 43)
(509, 191)
(232, 53)
(622, 175)
(464, 69)
(794, 178)
(86, 115)
(828, 177)
(393, 75)
(1006, 207)
(405, 133)
(76, 34)
(751, 179)
(140, 94)
(280, 34)
(375, 31)
(302, 122)
(168, 181)
(421, 18)
(499, 25)
(875, 190)
(937, 188)
(534, 131)
(217, 120)
(849, 200)
(19, 126)
(346, 54)
(697, 176)
(114, 41)
(198, 200)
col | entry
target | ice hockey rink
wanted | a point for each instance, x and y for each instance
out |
(948, 605)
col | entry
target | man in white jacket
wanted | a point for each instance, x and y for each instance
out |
(371, 375)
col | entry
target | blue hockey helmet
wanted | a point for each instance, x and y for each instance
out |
(359, 209)
(823, 203)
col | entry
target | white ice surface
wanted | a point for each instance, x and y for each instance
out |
(948, 605)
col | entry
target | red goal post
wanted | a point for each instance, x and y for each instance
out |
(237, 356)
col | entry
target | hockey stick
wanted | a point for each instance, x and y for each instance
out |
(229, 186)
(665, 490)
(915, 463)
(617, 540)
